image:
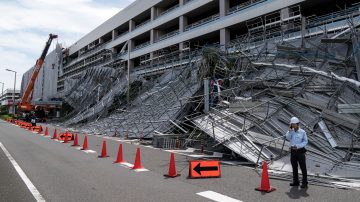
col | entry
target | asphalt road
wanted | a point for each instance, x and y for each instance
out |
(63, 173)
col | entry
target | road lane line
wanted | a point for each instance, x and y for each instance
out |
(216, 196)
(29, 184)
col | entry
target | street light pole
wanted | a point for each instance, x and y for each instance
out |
(2, 89)
(13, 89)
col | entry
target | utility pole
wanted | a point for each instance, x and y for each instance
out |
(13, 90)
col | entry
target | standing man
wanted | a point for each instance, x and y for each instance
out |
(298, 140)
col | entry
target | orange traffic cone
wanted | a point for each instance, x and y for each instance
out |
(55, 134)
(120, 155)
(76, 144)
(40, 130)
(85, 145)
(103, 151)
(46, 132)
(265, 183)
(137, 164)
(172, 168)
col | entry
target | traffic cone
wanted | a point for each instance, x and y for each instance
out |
(85, 145)
(120, 155)
(103, 151)
(76, 144)
(265, 182)
(40, 130)
(137, 164)
(55, 134)
(172, 168)
(46, 132)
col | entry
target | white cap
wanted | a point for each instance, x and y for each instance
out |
(294, 120)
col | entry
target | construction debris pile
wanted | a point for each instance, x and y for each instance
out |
(252, 87)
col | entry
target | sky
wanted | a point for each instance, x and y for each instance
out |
(25, 26)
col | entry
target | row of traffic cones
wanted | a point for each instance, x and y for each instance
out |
(137, 164)
(264, 187)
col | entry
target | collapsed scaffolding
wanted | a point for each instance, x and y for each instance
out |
(253, 86)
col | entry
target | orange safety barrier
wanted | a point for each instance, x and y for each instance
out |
(37, 129)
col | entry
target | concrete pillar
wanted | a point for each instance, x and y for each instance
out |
(181, 2)
(115, 33)
(223, 7)
(130, 67)
(303, 31)
(131, 45)
(183, 22)
(101, 40)
(224, 37)
(131, 25)
(206, 95)
(154, 35)
(284, 13)
(181, 46)
(154, 13)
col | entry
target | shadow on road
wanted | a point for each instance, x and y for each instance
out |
(296, 193)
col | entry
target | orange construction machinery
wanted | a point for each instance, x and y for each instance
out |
(25, 103)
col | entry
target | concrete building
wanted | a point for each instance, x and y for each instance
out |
(145, 32)
(46, 82)
(7, 97)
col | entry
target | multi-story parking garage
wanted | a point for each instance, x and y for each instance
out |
(146, 34)
(147, 30)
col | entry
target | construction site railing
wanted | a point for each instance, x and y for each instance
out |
(264, 146)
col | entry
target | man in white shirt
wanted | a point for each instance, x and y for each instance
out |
(298, 140)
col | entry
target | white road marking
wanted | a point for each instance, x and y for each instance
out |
(126, 164)
(130, 166)
(141, 170)
(89, 151)
(29, 184)
(216, 196)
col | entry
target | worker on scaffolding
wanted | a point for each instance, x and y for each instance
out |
(298, 140)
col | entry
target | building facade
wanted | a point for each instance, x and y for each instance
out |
(6, 99)
(45, 87)
(147, 34)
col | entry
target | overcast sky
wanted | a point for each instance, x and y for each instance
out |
(26, 24)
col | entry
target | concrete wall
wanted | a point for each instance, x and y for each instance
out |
(46, 83)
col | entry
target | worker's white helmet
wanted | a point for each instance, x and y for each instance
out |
(294, 120)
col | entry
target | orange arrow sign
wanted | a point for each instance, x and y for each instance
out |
(204, 169)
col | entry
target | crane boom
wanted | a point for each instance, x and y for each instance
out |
(25, 103)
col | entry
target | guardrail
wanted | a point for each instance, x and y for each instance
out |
(168, 35)
(168, 11)
(243, 6)
(202, 22)
(143, 45)
(142, 24)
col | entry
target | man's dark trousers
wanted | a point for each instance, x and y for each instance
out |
(298, 156)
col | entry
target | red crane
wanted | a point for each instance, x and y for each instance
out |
(25, 103)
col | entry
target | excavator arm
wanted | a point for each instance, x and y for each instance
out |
(25, 103)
